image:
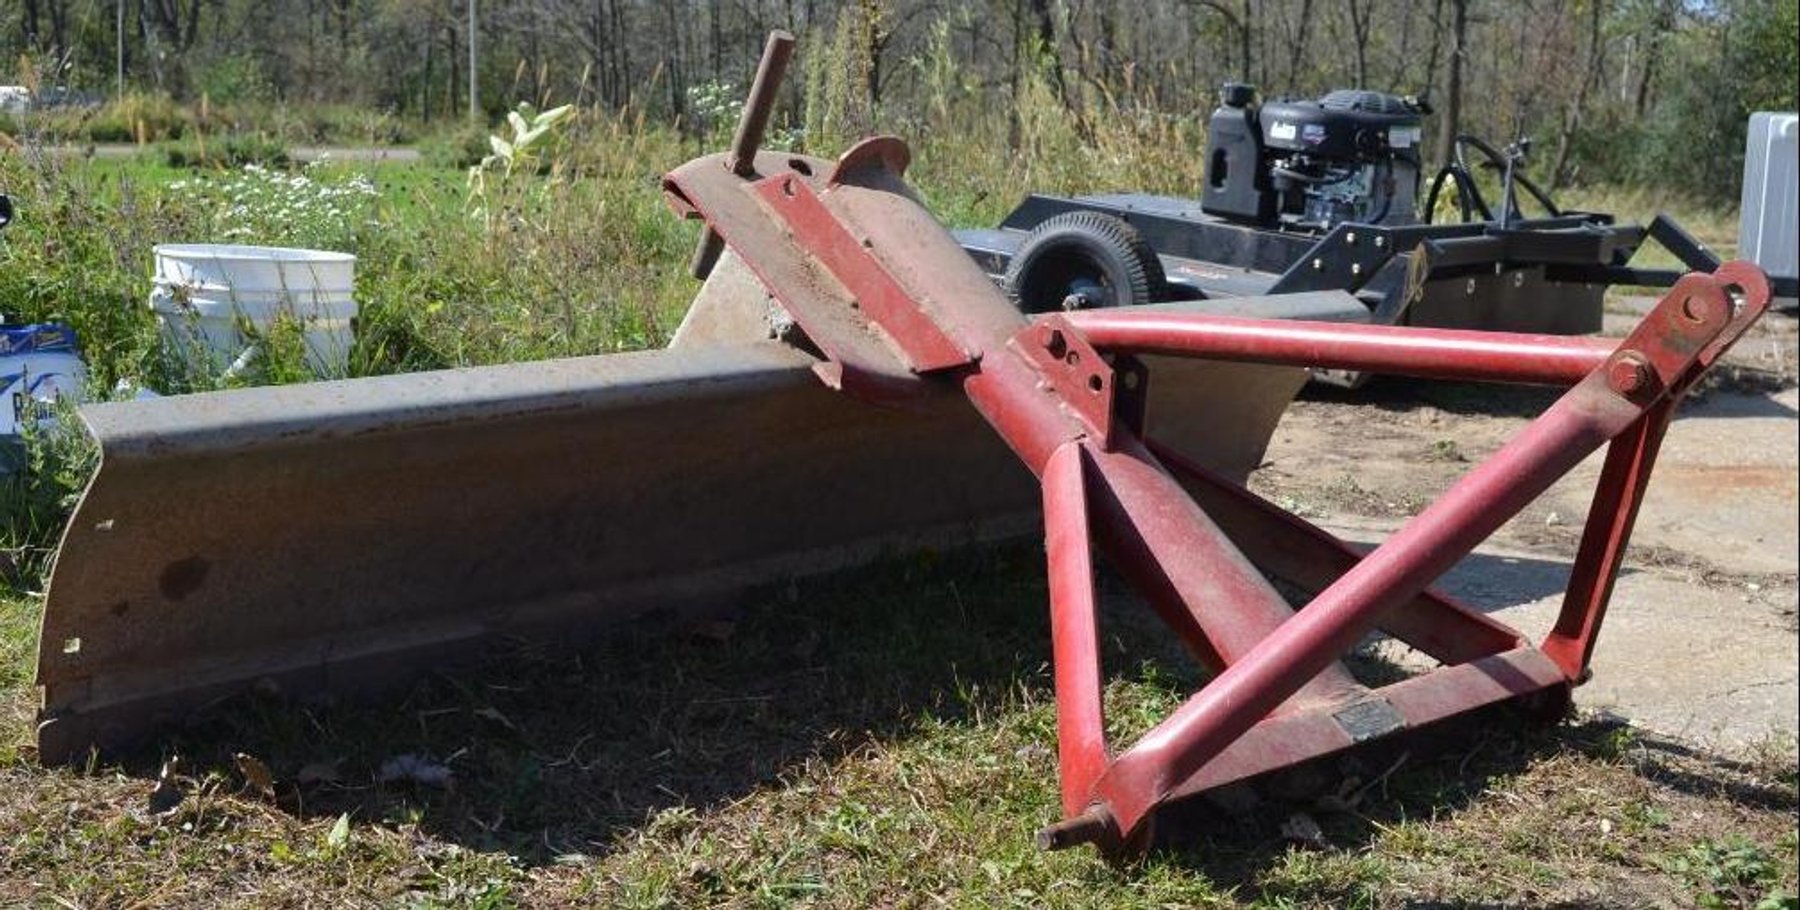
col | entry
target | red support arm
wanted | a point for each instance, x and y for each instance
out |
(1292, 548)
(1074, 629)
(1429, 353)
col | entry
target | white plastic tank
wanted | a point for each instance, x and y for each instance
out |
(206, 293)
(1769, 214)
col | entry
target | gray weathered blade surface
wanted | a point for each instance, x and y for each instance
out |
(329, 536)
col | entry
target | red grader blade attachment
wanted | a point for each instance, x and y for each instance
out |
(897, 308)
(381, 519)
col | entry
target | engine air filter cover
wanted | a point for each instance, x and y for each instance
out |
(1347, 123)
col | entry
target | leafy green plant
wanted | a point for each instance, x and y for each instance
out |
(715, 107)
(493, 181)
(235, 77)
(272, 354)
(523, 150)
(1617, 743)
(1733, 873)
(49, 469)
(838, 107)
(1447, 450)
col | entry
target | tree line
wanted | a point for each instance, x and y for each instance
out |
(1615, 90)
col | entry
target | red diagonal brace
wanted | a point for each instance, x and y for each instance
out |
(1189, 570)
(1292, 548)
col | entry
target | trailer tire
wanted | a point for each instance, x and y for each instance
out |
(1082, 260)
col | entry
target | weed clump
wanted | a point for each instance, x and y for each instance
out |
(228, 151)
(44, 472)
(1732, 872)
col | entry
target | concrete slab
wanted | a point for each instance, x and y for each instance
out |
(1726, 487)
(1712, 665)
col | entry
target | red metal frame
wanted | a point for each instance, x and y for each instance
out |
(1428, 353)
(853, 257)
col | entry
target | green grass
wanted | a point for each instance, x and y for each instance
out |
(148, 117)
(19, 615)
(878, 738)
(1714, 228)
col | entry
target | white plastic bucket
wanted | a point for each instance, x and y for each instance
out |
(205, 293)
(255, 268)
(206, 322)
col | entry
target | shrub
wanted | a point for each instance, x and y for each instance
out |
(226, 151)
(237, 77)
(48, 467)
(148, 117)
(460, 148)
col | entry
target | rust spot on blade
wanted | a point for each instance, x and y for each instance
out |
(183, 577)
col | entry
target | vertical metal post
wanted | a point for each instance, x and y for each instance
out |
(474, 106)
(1617, 497)
(751, 125)
(119, 47)
(761, 103)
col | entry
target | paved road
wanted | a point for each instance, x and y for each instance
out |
(303, 153)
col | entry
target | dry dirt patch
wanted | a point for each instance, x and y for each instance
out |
(1701, 641)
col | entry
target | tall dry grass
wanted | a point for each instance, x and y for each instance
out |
(978, 150)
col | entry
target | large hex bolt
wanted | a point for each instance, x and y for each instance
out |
(1628, 373)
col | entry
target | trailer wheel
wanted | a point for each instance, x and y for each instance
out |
(1083, 260)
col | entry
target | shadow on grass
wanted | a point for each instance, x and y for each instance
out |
(1451, 776)
(556, 753)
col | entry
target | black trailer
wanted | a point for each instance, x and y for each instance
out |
(1323, 195)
